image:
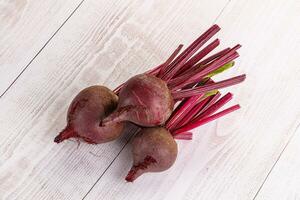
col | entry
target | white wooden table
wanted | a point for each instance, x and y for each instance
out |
(51, 49)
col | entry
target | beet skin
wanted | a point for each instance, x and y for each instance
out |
(154, 150)
(85, 114)
(144, 100)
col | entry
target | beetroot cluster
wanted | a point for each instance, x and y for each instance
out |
(166, 103)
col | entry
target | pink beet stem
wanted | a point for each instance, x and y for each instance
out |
(216, 106)
(194, 111)
(184, 75)
(196, 77)
(214, 56)
(177, 67)
(200, 66)
(206, 120)
(211, 101)
(169, 60)
(201, 54)
(208, 87)
(182, 111)
(184, 136)
(184, 56)
(189, 48)
(161, 67)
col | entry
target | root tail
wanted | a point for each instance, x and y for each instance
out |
(67, 133)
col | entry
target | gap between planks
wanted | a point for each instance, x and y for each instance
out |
(109, 165)
(47, 42)
(275, 163)
(127, 142)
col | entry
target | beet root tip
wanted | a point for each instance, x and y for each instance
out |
(131, 176)
(67, 133)
(139, 169)
(58, 139)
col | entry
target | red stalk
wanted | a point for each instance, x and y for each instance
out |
(211, 101)
(193, 112)
(205, 120)
(196, 77)
(216, 106)
(189, 48)
(184, 77)
(214, 56)
(201, 54)
(186, 73)
(203, 64)
(182, 111)
(197, 109)
(169, 60)
(184, 136)
(208, 87)
(185, 55)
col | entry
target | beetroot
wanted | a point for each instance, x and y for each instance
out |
(85, 116)
(154, 150)
(144, 100)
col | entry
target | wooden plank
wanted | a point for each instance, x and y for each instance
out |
(104, 42)
(25, 27)
(231, 158)
(284, 181)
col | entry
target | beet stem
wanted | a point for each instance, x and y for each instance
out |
(214, 56)
(216, 106)
(206, 120)
(198, 67)
(196, 77)
(196, 70)
(194, 111)
(184, 136)
(183, 110)
(211, 101)
(186, 54)
(208, 87)
(169, 60)
(201, 54)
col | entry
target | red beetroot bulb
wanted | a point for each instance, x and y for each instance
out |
(144, 100)
(154, 150)
(85, 116)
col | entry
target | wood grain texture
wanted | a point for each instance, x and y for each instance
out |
(104, 42)
(230, 159)
(284, 181)
(25, 27)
